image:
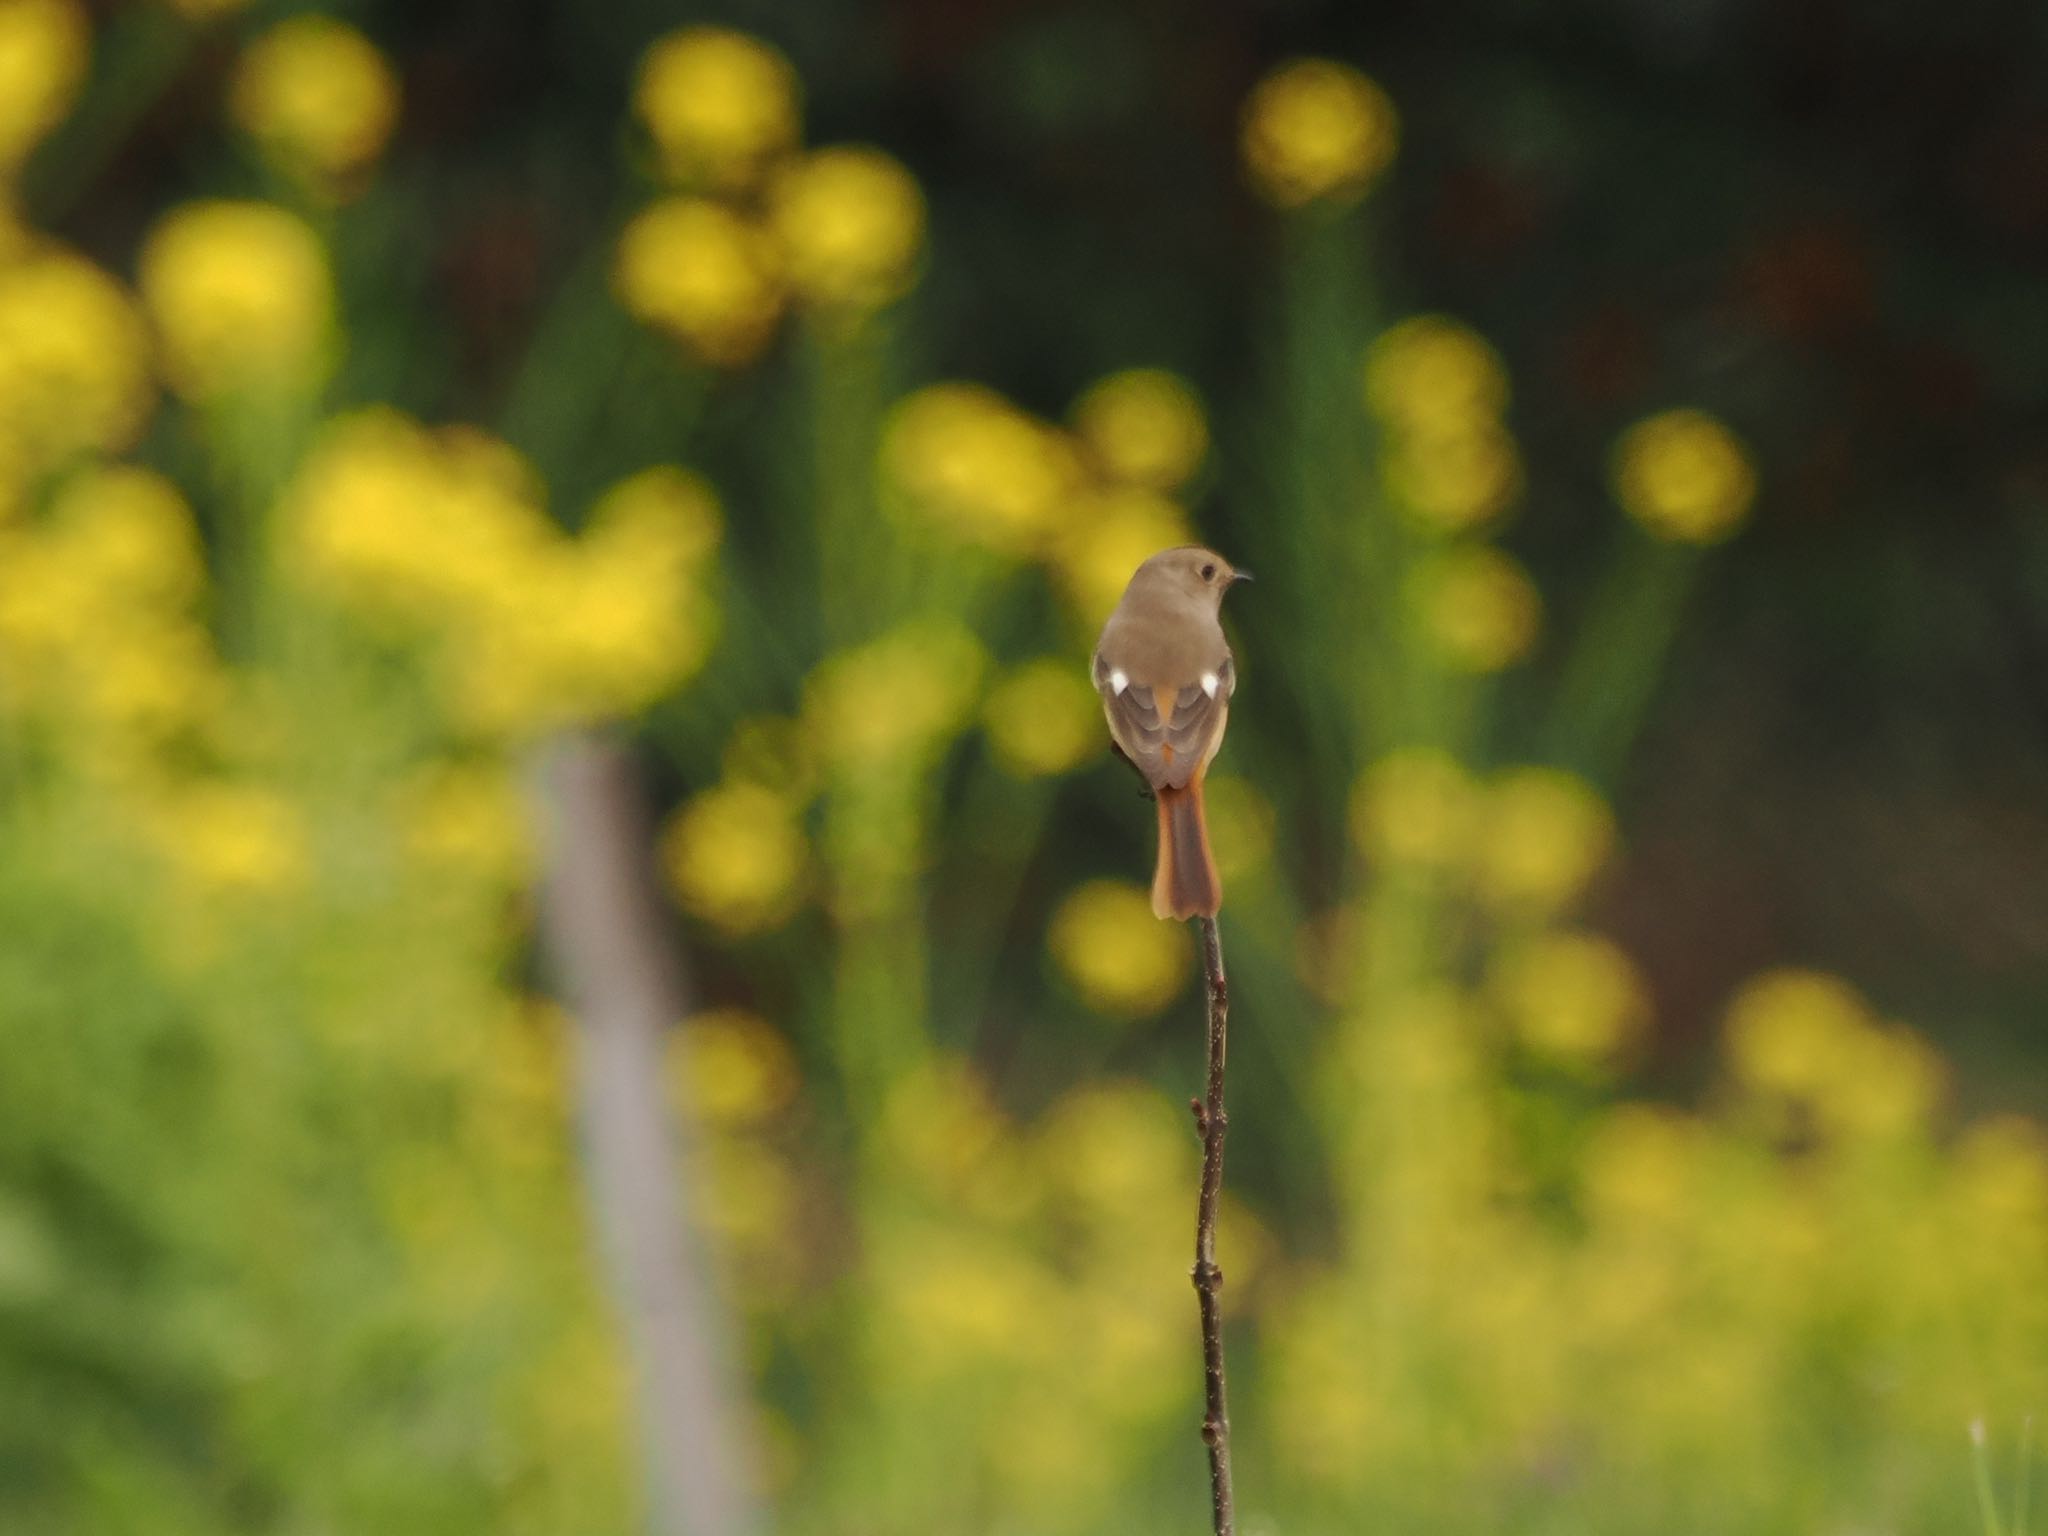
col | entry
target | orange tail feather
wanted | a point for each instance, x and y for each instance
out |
(1185, 883)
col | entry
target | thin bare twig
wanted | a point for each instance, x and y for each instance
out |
(1211, 1122)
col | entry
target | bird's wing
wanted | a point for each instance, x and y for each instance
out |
(1167, 733)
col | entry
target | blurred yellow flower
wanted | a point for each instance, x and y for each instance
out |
(44, 45)
(1111, 534)
(851, 221)
(74, 361)
(1143, 427)
(1476, 607)
(240, 296)
(730, 1069)
(1416, 807)
(1806, 1037)
(903, 696)
(718, 104)
(1457, 480)
(1043, 718)
(1431, 374)
(1543, 835)
(467, 817)
(317, 97)
(1240, 825)
(1638, 1168)
(704, 275)
(1121, 959)
(664, 519)
(1684, 477)
(735, 856)
(1573, 996)
(956, 1298)
(151, 681)
(234, 839)
(1314, 129)
(130, 537)
(1115, 1154)
(975, 464)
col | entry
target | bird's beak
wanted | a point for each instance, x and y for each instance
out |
(1237, 576)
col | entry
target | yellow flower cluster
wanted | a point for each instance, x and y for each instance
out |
(900, 698)
(1122, 960)
(736, 857)
(1711, 1276)
(1043, 719)
(445, 533)
(851, 222)
(43, 49)
(734, 1076)
(1685, 477)
(1315, 129)
(1093, 503)
(74, 364)
(318, 99)
(232, 839)
(1805, 1043)
(720, 106)
(1476, 608)
(1530, 840)
(840, 230)
(99, 634)
(1143, 427)
(240, 297)
(1078, 1221)
(1438, 392)
(980, 467)
(704, 275)
(466, 818)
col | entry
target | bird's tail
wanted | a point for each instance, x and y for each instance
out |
(1185, 883)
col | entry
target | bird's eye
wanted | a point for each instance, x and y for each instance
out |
(1208, 573)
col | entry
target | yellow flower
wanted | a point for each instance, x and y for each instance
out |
(900, 697)
(131, 538)
(1044, 718)
(74, 361)
(1121, 959)
(1684, 477)
(1574, 996)
(240, 296)
(719, 105)
(1455, 481)
(735, 856)
(318, 98)
(232, 838)
(730, 1069)
(1431, 374)
(702, 274)
(1144, 427)
(1110, 535)
(1477, 608)
(1316, 129)
(663, 519)
(1801, 1036)
(1240, 825)
(851, 221)
(1115, 1153)
(1417, 807)
(1544, 834)
(972, 462)
(468, 817)
(43, 49)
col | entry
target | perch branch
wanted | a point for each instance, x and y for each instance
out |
(1211, 1122)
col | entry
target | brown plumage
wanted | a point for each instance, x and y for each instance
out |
(1165, 674)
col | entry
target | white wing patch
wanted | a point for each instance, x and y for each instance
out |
(1119, 680)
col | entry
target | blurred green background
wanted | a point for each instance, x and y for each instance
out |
(457, 460)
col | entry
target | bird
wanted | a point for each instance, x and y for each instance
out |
(1165, 674)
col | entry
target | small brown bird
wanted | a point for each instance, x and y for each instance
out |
(1165, 675)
